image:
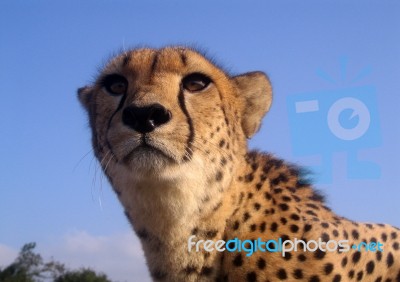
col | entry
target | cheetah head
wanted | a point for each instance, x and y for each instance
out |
(161, 113)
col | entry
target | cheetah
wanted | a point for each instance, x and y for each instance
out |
(170, 131)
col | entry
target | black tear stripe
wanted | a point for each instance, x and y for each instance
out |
(120, 105)
(189, 142)
(223, 109)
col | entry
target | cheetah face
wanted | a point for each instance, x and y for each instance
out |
(157, 109)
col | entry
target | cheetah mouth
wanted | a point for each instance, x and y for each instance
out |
(148, 154)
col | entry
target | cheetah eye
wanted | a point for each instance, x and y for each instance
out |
(195, 82)
(115, 84)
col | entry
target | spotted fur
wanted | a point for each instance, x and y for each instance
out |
(179, 163)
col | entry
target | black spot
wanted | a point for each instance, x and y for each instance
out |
(281, 274)
(261, 263)
(384, 237)
(294, 228)
(325, 237)
(317, 197)
(311, 213)
(294, 216)
(389, 260)
(396, 246)
(298, 274)
(189, 269)
(301, 257)
(251, 276)
(254, 166)
(307, 227)
(236, 225)
(283, 220)
(393, 235)
(217, 206)
(379, 279)
(281, 178)
(250, 195)
(257, 206)
(360, 275)
(241, 197)
(325, 225)
(344, 261)
(355, 234)
(288, 256)
(369, 226)
(253, 227)
(211, 234)
(337, 278)
(142, 234)
(218, 176)
(278, 190)
(319, 254)
(258, 186)
(221, 143)
(283, 207)
(335, 233)
(328, 268)
(370, 267)
(356, 256)
(238, 261)
(378, 255)
(158, 275)
(195, 231)
(206, 271)
(262, 227)
(249, 177)
(345, 234)
(351, 274)
(312, 206)
(286, 198)
(246, 216)
(267, 195)
(314, 278)
(284, 237)
(274, 226)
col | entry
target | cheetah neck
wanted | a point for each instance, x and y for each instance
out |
(165, 212)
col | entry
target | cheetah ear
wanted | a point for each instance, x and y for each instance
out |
(84, 96)
(256, 94)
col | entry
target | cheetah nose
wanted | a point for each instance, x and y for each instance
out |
(145, 119)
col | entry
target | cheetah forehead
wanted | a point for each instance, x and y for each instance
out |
(173, 59)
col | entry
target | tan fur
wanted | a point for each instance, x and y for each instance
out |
(198, 178)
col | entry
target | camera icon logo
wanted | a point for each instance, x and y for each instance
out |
(342, 120)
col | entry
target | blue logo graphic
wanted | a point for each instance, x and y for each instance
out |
(340, 120)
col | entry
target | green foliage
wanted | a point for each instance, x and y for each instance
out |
(84, 275)
(30, 267)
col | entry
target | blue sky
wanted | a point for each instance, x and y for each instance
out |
(51, 189)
